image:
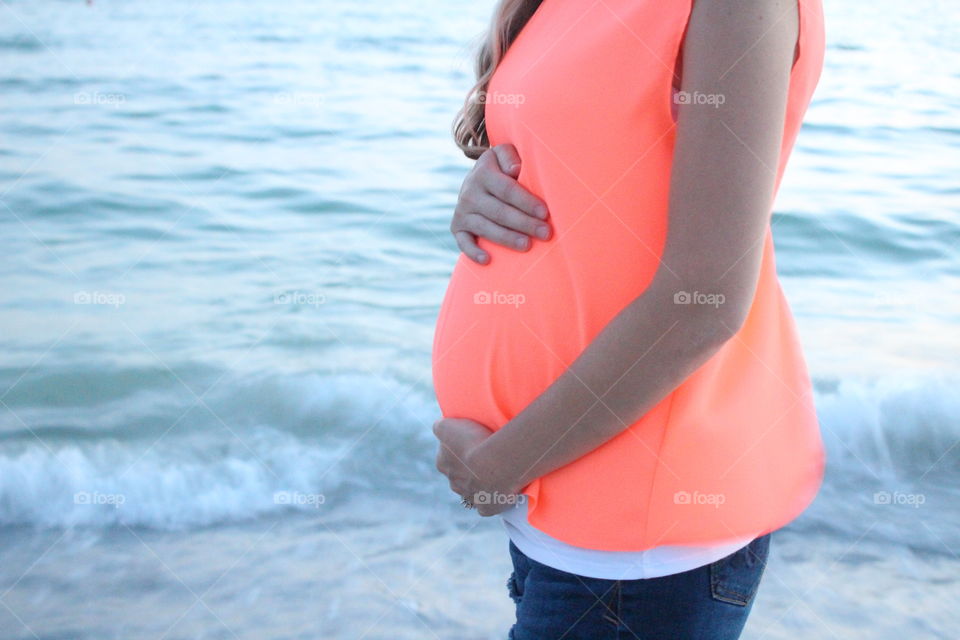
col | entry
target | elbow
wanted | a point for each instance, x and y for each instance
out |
(706, 309)
(711, 319)
(730, 316)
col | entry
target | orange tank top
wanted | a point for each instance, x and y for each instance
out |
(585, 94)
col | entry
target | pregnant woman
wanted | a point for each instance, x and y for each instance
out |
(635, 374)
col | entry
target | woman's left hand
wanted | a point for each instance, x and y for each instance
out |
(459, 437)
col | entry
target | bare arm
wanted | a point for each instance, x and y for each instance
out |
(721, 194)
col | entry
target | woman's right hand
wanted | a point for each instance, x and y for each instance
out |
(492, 204)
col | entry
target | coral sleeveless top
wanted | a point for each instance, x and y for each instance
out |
(585, 94)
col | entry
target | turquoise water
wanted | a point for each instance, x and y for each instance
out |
(224, 230)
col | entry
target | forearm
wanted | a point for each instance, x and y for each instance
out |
(642, 355)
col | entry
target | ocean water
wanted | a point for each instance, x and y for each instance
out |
(224, 240)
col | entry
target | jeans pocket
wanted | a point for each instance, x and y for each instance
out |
(513, 587)
(521, 566)
(735, 578)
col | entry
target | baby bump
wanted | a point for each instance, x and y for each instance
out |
(501, 337)
(506, 330)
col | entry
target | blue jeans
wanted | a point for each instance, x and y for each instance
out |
(711, 602)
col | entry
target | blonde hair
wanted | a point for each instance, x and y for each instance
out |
(469, 125)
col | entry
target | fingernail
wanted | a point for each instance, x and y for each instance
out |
(482, 257)
(541, 212)
(543, 232)
(521, 243)
(514, 168)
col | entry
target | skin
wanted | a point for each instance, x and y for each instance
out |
(492, 204)
(721, 195)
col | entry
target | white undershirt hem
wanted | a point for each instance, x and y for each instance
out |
(611, 565)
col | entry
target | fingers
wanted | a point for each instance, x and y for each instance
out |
(502, 224)
(468, 245)
(507, 158)
(506, 189)
(492, 204)
(507, 215)
(456, 484)
(481, 225)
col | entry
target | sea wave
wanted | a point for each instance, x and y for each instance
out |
(310, 442)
